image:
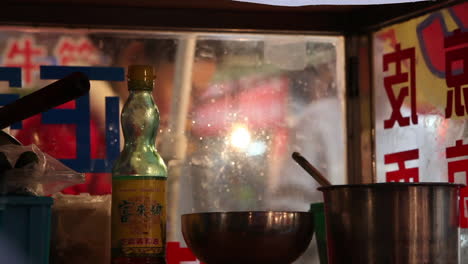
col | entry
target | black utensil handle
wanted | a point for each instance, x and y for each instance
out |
(54, 94)
(310, 169)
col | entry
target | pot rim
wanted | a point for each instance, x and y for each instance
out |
(247, 213)
(382, 185)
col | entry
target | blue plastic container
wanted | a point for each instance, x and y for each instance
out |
(25, 222)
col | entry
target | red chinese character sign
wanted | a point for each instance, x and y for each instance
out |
(403, 174)
(76, 51)
(402, 59)
(421, 100)
(25, 53)
(458, 173)
(456, 78)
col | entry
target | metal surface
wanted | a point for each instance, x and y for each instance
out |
(392, 223)
(464, 245)
(248, 237)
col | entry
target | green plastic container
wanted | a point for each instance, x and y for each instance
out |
(25, 222)
(320, 231)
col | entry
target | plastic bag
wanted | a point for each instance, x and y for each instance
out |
(26, 170)
(80, 229)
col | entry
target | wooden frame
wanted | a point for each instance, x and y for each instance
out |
(206, 15)
(356, 23)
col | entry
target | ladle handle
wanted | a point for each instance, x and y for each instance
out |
(310, 169)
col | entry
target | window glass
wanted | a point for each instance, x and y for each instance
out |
(233, 108)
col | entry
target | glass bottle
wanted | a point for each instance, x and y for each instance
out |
(139, 179)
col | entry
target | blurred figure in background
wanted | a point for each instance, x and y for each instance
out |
(59, 140)
(316, 131)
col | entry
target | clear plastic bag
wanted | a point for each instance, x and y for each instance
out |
(80, 229)
(26, 170)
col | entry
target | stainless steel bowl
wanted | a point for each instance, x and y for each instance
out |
(248, 237)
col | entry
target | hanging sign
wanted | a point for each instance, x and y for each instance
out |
(421, 100)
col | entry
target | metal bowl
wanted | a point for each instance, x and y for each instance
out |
(248, 237)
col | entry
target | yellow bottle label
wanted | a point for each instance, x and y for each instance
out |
(138, 216)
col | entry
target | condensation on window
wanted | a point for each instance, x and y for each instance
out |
(233, 108)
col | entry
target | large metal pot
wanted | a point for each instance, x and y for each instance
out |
(392, 223)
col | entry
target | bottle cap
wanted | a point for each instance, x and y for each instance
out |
(140, 73)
